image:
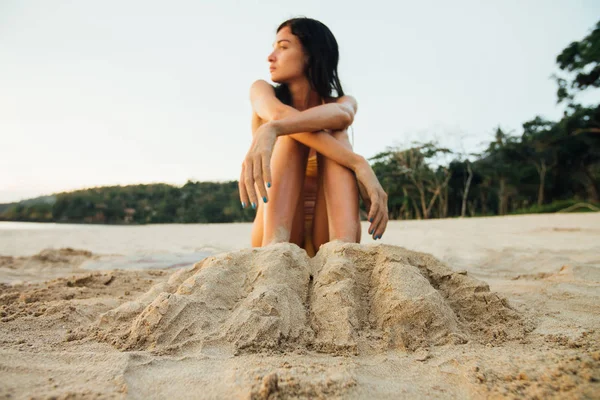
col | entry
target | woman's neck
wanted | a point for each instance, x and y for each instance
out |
(303, 97)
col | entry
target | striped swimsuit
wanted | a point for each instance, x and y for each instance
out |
(310, 199)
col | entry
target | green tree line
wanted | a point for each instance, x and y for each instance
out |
(199, 202)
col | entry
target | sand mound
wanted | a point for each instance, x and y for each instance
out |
(52, 257)
(64, 255)
(567, 273)
(349, 298)
(47, 264)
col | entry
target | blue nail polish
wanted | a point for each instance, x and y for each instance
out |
(243, 205)
(253, 205)
(268, 184)
(370, 232)
(378, 237)
(371, 220)
(265, 199)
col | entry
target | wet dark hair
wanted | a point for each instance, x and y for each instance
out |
(323, 56)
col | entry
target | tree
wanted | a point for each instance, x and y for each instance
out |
(582, 60)
(500, 159)
(421, 185)
(539, 148)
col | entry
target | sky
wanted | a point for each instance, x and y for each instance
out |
(125, 92)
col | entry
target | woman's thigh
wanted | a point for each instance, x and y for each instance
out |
(337, 207)
(320, 224)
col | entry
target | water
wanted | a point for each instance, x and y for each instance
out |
(147, 261)
(129, 246)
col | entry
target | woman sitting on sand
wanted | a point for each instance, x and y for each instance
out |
(300, 149)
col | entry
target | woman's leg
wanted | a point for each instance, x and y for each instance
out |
(320, 223)
(257, 228)
(297, 236)
(336, 209)
(275, 220)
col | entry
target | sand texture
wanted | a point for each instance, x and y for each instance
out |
(356, 321)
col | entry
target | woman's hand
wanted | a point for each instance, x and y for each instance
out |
(375, 199)
(256, 167)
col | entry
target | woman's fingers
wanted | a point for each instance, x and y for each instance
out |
(380, 216)
(258, 177)
(242, 187)
(266, 165)
(255, 169)
(374, 232)
(249, 182)
(373, 213)
(381, 225)
(383, 221)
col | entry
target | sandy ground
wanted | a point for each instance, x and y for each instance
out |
(504, 307)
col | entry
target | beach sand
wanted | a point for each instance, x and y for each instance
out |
(501, 307)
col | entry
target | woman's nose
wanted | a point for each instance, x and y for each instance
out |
(271, 56)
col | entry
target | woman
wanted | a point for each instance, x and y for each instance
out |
(301, 161)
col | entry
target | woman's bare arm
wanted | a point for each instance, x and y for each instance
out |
(274, 111)
(326, 145)
(334, 116)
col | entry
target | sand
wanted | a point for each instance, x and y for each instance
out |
(504, 307)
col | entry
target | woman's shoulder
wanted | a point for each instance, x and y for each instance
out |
(261, 86)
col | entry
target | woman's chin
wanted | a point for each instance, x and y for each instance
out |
(279, 78)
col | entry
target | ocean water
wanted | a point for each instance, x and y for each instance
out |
(127, 247)
(486, 243)
(147, 261)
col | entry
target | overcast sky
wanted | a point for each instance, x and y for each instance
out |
(97, 93)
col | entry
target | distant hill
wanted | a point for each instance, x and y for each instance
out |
(199, 202)
(48, 199)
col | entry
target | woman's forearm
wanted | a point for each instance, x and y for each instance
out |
(330, 147)
(324, 143)
(327, 116)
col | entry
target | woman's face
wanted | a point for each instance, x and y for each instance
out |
(287, 61)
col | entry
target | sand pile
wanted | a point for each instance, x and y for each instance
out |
(66, 286)
(350, 298)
